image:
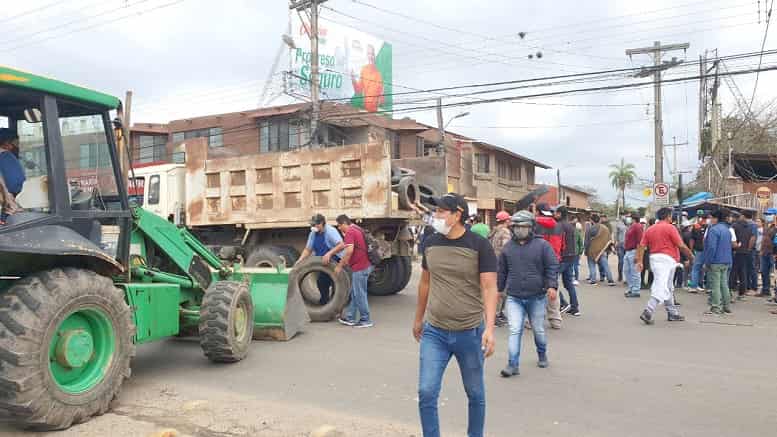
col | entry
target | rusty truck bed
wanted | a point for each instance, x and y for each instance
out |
(284, 189)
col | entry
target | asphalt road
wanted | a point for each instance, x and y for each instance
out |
(610, 375)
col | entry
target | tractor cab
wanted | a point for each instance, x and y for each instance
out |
(72, 208)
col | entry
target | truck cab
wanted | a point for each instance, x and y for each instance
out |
(161, 189)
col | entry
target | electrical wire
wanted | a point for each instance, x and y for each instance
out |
(760, 59)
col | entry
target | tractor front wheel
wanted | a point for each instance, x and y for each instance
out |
(65, 348)
(226, 321)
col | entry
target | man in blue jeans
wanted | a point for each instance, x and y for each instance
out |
(355, 257)
(528, 273)
(567, 268)
(630, 243)
(457, 295)
(697, 240)
(321, 240)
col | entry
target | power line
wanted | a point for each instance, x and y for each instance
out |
(760, 58)
(639, 120)
(31, 11)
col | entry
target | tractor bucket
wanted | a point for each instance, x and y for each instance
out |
(279, 311)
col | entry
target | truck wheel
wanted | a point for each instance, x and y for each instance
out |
(407, 191)
(289, 254)
(304, 276)
(266, 256)
(407, 271)
(66, 341)
(226, 321)
(385, 279)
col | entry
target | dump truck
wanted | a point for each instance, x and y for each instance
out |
(85, 275)
(258, 207)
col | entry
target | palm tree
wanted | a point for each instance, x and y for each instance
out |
(622, 175)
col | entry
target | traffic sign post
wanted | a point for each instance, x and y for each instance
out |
(661, 194)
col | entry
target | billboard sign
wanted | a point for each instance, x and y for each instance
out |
(354, 67)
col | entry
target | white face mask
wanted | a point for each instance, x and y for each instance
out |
(628, 220)
(313, 229)
(440, 226)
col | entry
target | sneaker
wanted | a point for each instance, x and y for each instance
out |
(593, 283)
(611, 283)
(646, 317)
(575, 312)
(771, 301)
(542, 363)
(509, 371)
(365, 324)
(713, 312)
(751, 293)
(675, 318)
(346, 322)
(555, 324)
(565, 308)
(741, 298)
(727, 310)
(701, 289)
(575, 282)
(629, 294)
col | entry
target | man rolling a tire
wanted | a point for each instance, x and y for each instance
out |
(322, 241)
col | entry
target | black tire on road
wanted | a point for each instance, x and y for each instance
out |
(31, 311)
(289, 254)
(387, 277)
(266, 256)
(407, 270)
(304, 277)
(226, 321)
(408, 193)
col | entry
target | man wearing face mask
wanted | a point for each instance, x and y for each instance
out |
(457, 295)
(528, 271)
(323, 238)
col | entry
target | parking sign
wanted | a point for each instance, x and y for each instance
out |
(661, 194)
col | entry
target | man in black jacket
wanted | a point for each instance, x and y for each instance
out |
(528, 273)
(567, 267)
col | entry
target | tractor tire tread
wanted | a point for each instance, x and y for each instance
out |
(216, 338)
(30, 307)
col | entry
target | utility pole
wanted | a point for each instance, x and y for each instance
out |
(656, 50)
(312, 5)
(702, 102)
(674, 146)
(715, 123)
(560, 192)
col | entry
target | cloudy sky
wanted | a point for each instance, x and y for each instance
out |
(194, 57)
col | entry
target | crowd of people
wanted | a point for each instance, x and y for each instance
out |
(475, 279)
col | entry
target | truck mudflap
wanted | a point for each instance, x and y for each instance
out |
(279, 311)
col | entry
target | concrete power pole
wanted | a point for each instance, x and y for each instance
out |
(314, 80)
(656, 50)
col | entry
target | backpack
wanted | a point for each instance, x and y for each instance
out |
(374, 250)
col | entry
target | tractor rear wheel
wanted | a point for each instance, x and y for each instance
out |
(226, 321)
(66, 341)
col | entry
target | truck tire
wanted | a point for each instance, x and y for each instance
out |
(407, 272)
(226, 321)
(301, 277)
(289, 254)
(387, 277)
(266, 256)
(66, 341)
(407, 191)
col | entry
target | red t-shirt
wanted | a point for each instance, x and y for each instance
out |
(354, 237)
(663, 238)
(633, 236)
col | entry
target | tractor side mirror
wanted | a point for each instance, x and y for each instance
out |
(117, 124)
(33, 115)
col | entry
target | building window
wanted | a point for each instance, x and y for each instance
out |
(281, 135)
(395, 150)
(151, 148)
(419, 146)
(515, 173)
(502, 170)
(483, 161)
(214, 135)
(94, 156)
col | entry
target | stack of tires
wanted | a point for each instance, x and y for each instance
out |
(403, 183)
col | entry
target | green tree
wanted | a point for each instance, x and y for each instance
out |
(621, 176)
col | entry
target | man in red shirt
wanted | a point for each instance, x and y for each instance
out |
(355, 257)
(664, 242)
(631, 242)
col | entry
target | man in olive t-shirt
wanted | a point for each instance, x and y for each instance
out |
(458, 295)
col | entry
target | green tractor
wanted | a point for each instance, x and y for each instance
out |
(85, 276)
